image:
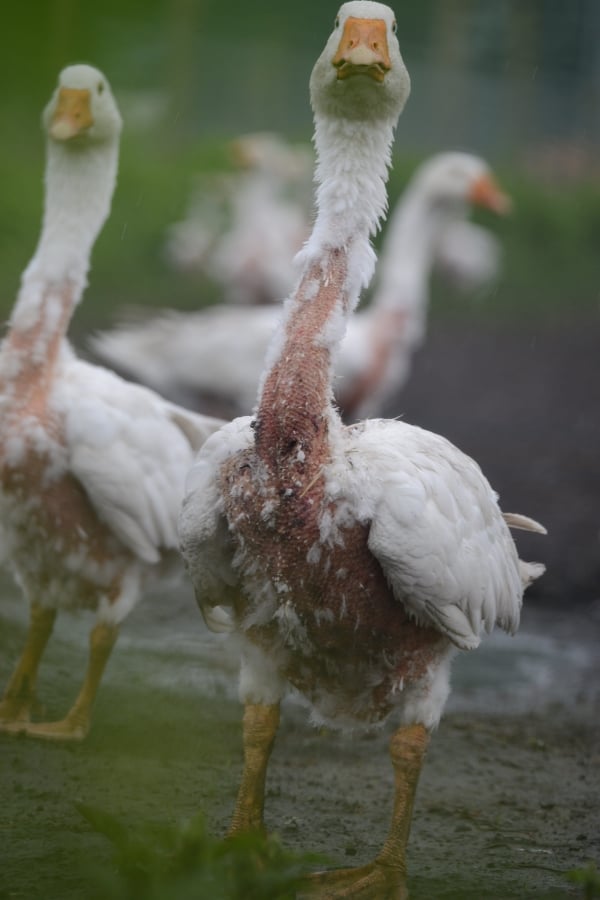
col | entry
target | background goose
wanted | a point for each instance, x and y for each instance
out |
(468, 256)
(354, 560)
(251, 257)
(91, 466)
(212, 359)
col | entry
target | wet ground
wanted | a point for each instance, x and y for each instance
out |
(509, 797)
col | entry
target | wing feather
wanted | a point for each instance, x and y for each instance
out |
(130, 450)
(435, 527)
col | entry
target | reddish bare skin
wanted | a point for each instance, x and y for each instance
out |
(31, 385)
(64, 506)
(356, 639)
(367, 624)
(61, 508)
(386, 327)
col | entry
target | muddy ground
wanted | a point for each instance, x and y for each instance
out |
(509, 798)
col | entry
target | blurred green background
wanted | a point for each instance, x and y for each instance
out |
(515, 80)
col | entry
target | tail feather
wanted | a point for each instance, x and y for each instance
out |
(529, 571)
(524, 523)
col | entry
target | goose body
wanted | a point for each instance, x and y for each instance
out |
(212, 359)
(353, 561)
(91, 466)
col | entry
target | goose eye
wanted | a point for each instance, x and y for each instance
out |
(337, 22)
(100, 87)
(394, 27)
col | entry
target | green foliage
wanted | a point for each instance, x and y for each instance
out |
(183, 862)
(550, 246)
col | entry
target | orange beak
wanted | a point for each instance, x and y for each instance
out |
(240, 155)
(486, 192)
(72, 114)
(363, 49)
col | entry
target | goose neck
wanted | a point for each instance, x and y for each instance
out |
(78, 190)
(295, 412)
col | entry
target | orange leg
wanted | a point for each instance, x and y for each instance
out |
(76, 724)
(15, 706)
(260, 726)
(385, 877)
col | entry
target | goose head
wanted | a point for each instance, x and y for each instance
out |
(360, 74)
(455, 181)
(82, 108)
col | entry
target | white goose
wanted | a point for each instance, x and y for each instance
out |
(91, 466)
(212, 359)
(252, 260)
(427, 226)
(469, 256)
(354, 561)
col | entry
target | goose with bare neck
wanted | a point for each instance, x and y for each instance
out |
(91, 467)
(353, 561)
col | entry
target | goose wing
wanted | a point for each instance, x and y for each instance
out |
(130, 450)
(436, 529)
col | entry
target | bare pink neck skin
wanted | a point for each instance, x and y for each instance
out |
(29, 355)
(79, 183)
(295, 406)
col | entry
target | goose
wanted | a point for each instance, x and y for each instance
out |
(427, 226)
(92, 467)
(252, 261)
(352, 562)
(212, 359)
(469, 255)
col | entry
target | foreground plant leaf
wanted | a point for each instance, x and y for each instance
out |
(181, 862)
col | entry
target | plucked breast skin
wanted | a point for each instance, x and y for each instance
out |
(432, 564)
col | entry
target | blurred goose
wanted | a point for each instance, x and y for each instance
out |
(352, 561)
(252, 261)
(377, 352)
(468, 256)
(91, 466)
(212, 359)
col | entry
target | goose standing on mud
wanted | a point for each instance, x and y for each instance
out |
(212, 359)
(353, 561)
(91, 467)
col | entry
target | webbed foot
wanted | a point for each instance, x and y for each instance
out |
(374, 881)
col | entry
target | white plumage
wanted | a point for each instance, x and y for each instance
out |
(435, 528)
(91, 466)
(128, 448)
(353, 561)
(212, 359)
(468, 256)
